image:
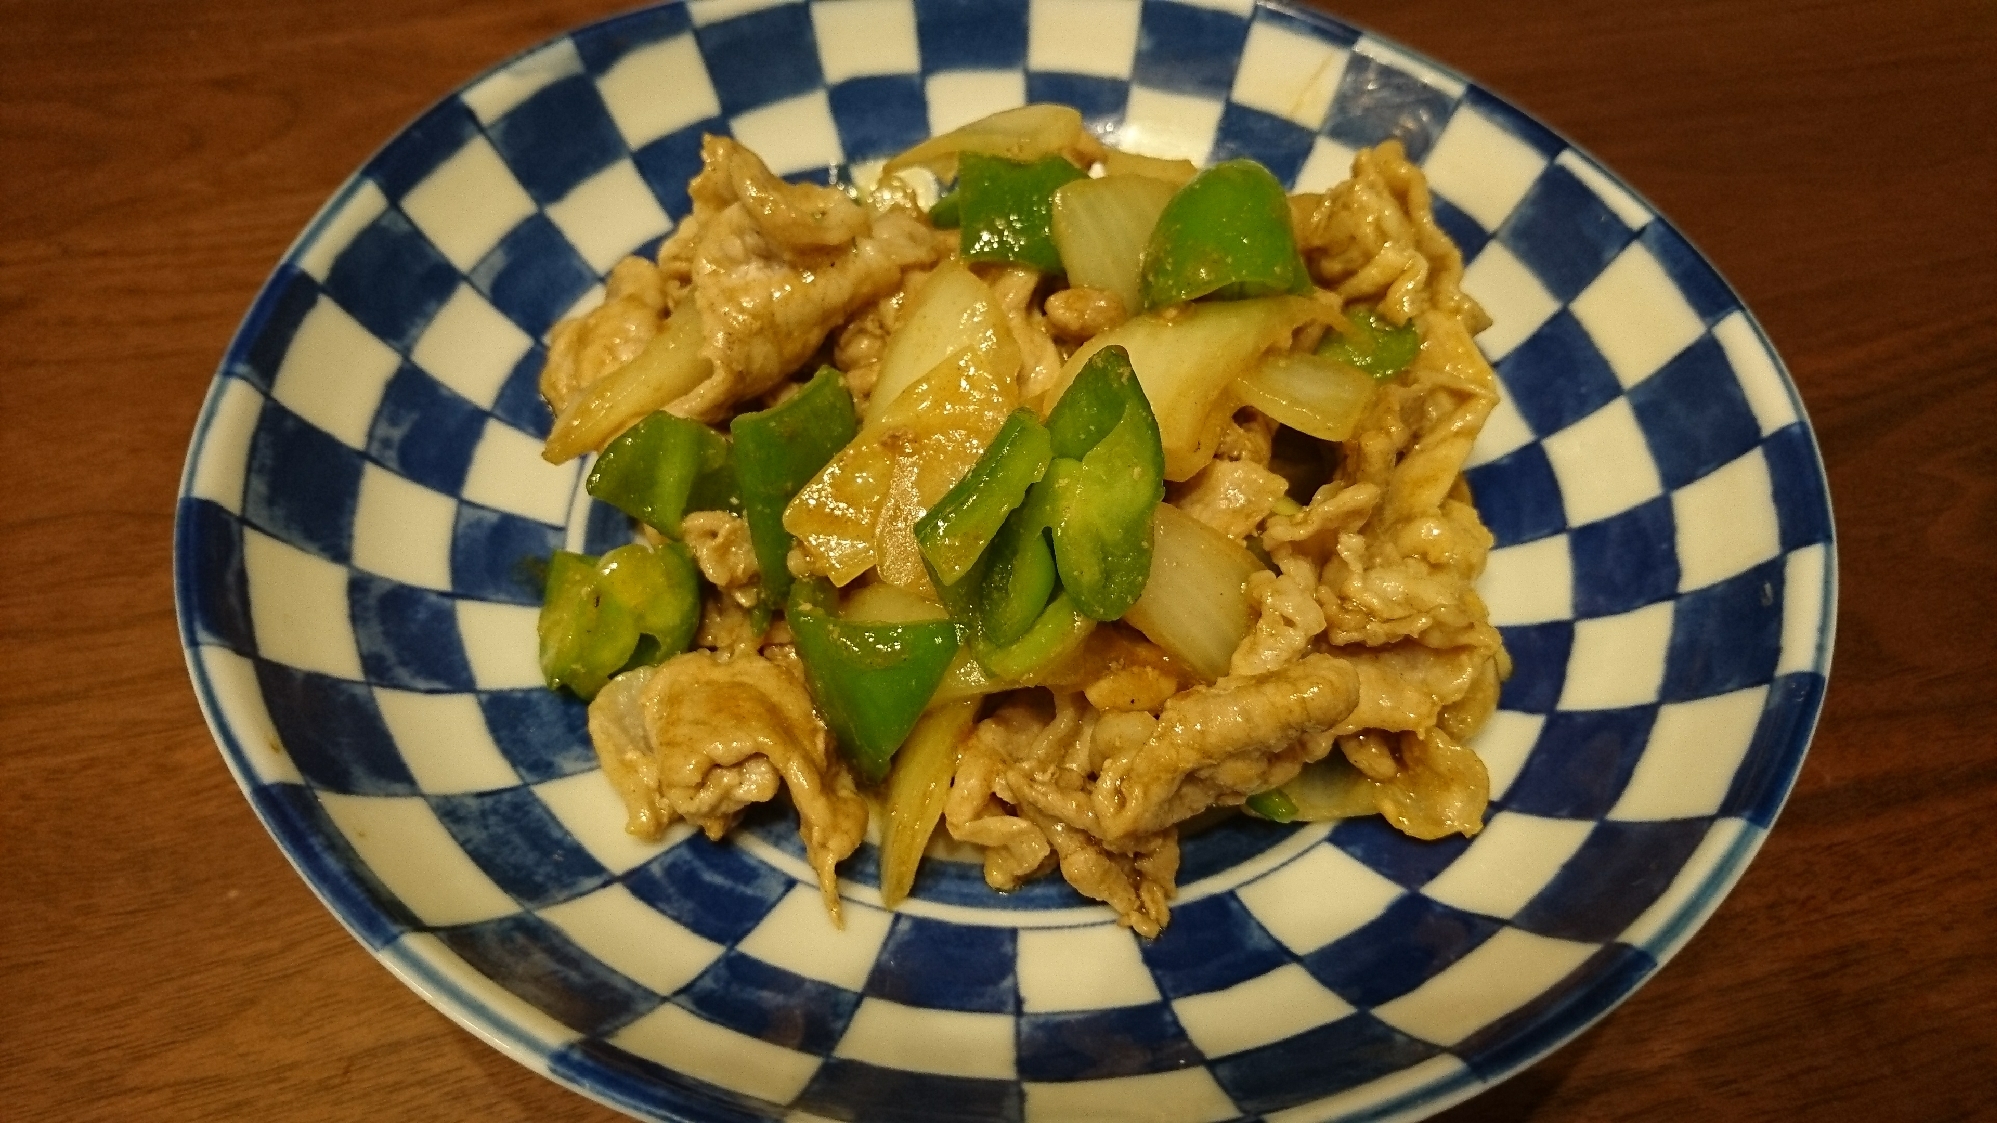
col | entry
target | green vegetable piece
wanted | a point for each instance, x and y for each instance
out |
(1373, 345)
(957, 529)
(871, 681)
(1006, 208)
(1020, 578)
(1273, 805)
(661, 589)
(597, 613)
(1102, 503)
(777, 451)
(1057, 632)
(663, 467)
(1226, 234)
(947, 214)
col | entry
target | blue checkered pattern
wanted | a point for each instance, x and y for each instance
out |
(365, 512)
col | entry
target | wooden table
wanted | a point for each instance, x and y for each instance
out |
(160, 960)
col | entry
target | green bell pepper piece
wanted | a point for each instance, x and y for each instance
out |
(1060, 629)
(777, 451)
(954, 532)
(870, 680)
(1373, 345)
(947, 214)
(1020, 578)
(602, 615)
(1273, 805)
(1102, 503)
(1006, 208)
(1226, 234)
(663, 467)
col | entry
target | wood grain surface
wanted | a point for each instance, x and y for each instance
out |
(159, 959)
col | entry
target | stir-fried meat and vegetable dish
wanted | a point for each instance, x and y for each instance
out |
(1097, 495)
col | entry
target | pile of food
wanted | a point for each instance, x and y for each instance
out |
(1053, 493)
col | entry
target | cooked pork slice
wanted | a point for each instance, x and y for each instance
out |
(719, 542)
(776, 267)
(1232, 496)
(584, 349)
(701, 738)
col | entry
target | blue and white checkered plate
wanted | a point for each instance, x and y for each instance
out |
(364, 500)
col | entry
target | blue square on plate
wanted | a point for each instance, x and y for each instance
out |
(1518, 496)
(520, 844)
(392, 280)
(1319, 1062)
(760, 1000)
(1704, 288)
(970, 35)
(1376, 101)
(1405, 861)
(533, 275)
(1620, 870)
(425, 431)
(1558, 376)
(1727, 635)
(1469, 237)
(1539, 665)
(1625, 561)
(1102, 1044)
(327, 859)
(1209, 945)
(1796, 474)
(1583, 760)
(1543, 140)
(605, 528)
(303, 485)
(535, 962)
(1694, 414)
(714, 888)
(1280, 145)
(1187, 50)
(760, 58)
(879, 116)
(557, 138)
(333, 732)
(1398, 950)
(848, 1089)
(520, 403)
(1100, 100)
(670, 162)
(273, 320)
(1535, 1028)
(408, 637)
(603, 45)
(209, 542)
(418, 150)
(1777, 749)
(1563, 232)
(543, 734)
(947, 967)
(496, 556)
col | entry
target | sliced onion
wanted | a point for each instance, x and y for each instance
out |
(881, 603)
(1100, 227)
(1026, 133)
(1175, 172)
(947, 314)
(1187, 361)
(1195, 604)
(669, 366)
(1332, 789)
(917, 789)
(1310, 393)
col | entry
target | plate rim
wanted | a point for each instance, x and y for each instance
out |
(452, 987)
